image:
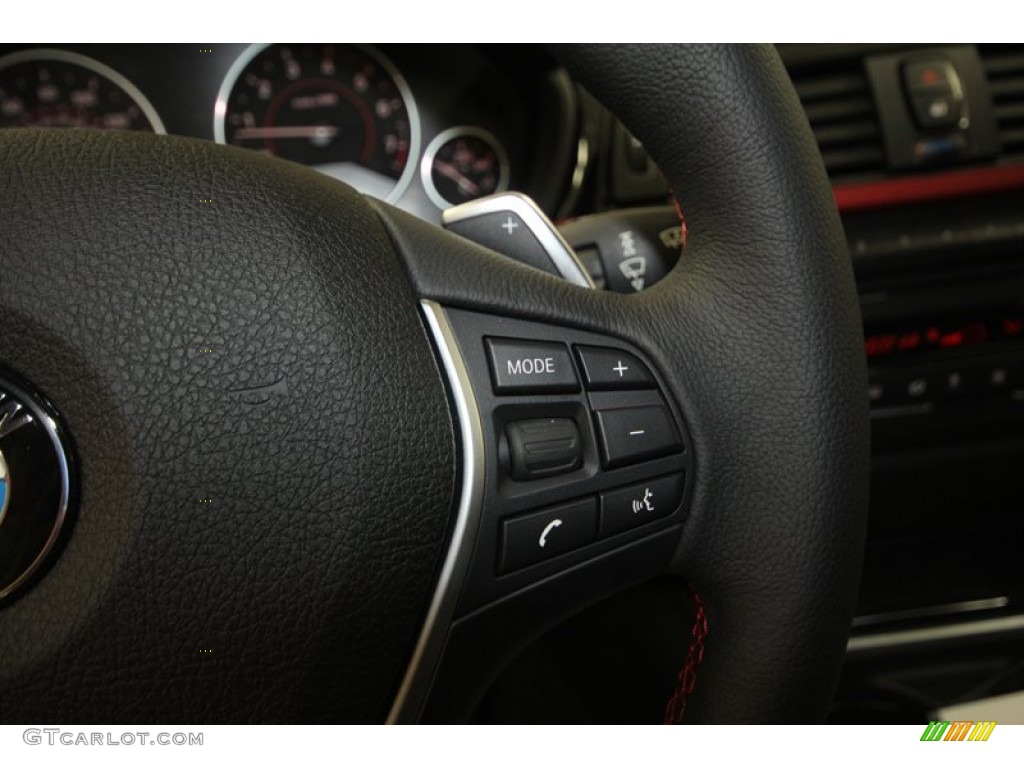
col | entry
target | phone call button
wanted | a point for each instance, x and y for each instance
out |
(538, 536)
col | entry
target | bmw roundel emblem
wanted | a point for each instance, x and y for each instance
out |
(3, 487)
(35, 484)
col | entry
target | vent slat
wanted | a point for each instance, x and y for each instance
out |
(1013, 139)
(831, 87)
(853, 158)
(841, 111)
(1004, 65)
(845, 109)
(1005, 89)
(1010, 112)
(1001, 64)
(846, 133)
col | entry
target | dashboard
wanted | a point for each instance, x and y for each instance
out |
(422, 127)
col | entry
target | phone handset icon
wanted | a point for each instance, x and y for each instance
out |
(548, 529)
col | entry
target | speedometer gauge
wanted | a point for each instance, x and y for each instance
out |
(342, 109)
(50, 88)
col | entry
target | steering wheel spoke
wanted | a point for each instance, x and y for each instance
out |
(754, 337)
(574, 461)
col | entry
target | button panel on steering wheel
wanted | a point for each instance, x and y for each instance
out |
(584, 454)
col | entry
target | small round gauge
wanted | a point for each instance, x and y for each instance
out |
(50, 88)
(462, 164)
(342, 109)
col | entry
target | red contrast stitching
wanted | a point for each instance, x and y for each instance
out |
(682, 218)
(675, 710)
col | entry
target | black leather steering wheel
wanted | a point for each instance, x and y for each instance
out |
(270, 467)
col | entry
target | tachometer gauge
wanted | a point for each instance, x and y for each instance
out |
(462, 164)
(50, 88)
(342, 109)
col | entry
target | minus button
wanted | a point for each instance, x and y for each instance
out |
(630, 435)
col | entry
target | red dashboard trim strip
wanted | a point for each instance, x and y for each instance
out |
(919, 189)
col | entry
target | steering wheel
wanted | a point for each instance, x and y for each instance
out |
(283, 437)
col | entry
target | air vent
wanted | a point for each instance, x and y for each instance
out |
(842, 114)
(1004, 66)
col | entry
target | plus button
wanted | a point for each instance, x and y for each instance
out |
(620, 369)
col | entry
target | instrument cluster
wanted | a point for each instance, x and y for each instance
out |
(424, 127)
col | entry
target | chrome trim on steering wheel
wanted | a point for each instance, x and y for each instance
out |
(562, 256)
(416, 683)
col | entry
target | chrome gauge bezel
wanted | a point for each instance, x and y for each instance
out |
(70, 57)
(474, 131)
(251, 52)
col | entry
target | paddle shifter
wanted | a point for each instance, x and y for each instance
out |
(624, 251)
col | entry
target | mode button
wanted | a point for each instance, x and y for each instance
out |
(521, 366)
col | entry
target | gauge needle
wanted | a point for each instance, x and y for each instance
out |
(288, 132)
(449, 170)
